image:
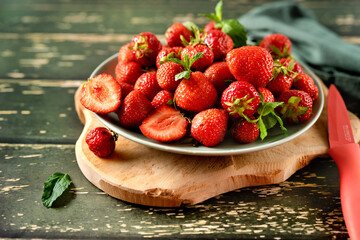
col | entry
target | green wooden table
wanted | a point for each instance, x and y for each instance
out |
(48, 48)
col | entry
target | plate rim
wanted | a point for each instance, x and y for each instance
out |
(210, 151)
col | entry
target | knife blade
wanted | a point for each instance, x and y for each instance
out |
(346, 154)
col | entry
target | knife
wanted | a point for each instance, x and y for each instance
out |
(346, 154)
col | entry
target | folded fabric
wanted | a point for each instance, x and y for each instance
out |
(331, 58)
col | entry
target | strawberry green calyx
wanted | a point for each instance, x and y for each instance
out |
(292, 110)
(197, 39)
(285, 70)
(141, 47)
(281, 54)
(186, 64)
(239, 105)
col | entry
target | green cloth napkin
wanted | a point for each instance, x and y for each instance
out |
(331, 58)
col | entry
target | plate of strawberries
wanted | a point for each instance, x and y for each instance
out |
(205, 91)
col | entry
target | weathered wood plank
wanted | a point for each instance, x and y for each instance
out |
(133, 16)
(306, 206)
(38, 111)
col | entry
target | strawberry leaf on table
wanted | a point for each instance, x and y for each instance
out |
(54, 187)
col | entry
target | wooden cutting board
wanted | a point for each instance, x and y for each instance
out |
(142, 175)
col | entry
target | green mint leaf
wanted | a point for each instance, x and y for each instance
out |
(218, 10)
(175, 60)
(184, 74)
(270, 106)
(54, 187)
(280, 122)
(236, 31)
(262, 128)
(269, 121)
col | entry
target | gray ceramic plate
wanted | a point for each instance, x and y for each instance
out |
(228, 146)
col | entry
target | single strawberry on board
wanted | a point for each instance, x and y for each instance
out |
(251, 64)
(101, 94)
(174, 32)
(297, 106)
(166, 53)
(305, 83)
(134, 109)
(244, 131)
(278, 45)
(240, 99)
(145, 47)
(209, 126)
(219, 74)
(148, 85)
(128, 72)
(197, 45)
(165, 124)
(165, 75)
(163, 97)
(101, 141)
(220, 43)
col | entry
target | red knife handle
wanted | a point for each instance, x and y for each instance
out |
(347, 159)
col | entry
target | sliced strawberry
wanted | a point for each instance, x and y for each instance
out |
(101, 94)
(165, 124)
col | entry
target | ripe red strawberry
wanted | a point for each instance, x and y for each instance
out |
(252, 64)
(277, 44)
(173, 33)
(218, 73)
(128, 72)
(101, 94)
(220, 43)
(295, 66)
(209, 126)
(196, 93)
(125, 54)
(305, 83)
(162, 98)
(125, 89)
(148, 85)
(165, 124)
(166, 73)
(280, 84)
(202, 63)
(240, 99)
(210, 26)
(134, 109)
(297, 106)
(245, 132)
(267, 95)
(101, 142)
(146, 46)
(166, 53)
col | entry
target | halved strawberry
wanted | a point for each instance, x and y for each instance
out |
(165, 124)
(101, 94)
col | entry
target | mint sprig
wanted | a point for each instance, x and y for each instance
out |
(267, 118)
(186, 64)
(54, 187)
(231, 27)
